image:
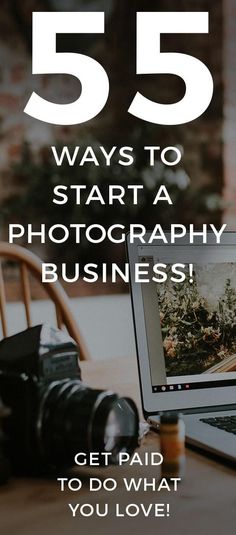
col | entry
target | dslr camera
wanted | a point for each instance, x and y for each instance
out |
(53, 415)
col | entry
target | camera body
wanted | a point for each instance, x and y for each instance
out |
(30, 363)
(53, 415)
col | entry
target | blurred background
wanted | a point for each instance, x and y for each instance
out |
(202, 186)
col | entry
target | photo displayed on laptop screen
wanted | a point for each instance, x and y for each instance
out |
(195, 338)
(198, 321)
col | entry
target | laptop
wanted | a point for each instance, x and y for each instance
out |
(186, 335)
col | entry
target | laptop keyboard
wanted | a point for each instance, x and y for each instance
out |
(226, 423)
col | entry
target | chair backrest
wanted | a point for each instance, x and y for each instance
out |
(29, 263)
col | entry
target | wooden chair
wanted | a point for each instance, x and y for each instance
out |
(30, 263)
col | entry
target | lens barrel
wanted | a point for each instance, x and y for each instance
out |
(74, 418)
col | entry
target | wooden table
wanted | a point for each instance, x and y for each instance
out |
(205, 502)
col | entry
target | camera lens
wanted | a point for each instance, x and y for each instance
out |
(74, 418)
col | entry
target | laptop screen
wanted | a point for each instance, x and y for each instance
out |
(191, 327)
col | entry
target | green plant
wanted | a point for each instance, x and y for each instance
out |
(195, 338)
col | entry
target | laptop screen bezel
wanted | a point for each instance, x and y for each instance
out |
(155, 402)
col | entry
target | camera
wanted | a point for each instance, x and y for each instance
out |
(53, 415)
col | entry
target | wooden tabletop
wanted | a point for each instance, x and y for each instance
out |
(204, 503)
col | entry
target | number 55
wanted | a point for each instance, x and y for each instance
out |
(94, 80)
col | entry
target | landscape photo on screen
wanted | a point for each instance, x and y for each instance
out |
(198, 321)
